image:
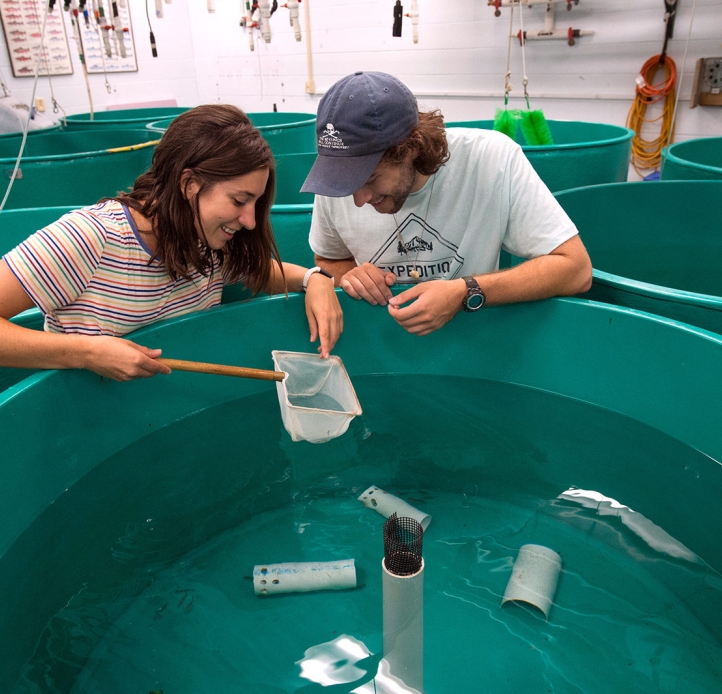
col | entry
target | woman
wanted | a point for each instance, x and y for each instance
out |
(199, 219)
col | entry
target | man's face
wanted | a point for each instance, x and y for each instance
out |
(388, 187)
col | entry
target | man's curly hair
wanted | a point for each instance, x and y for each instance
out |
(428, 138)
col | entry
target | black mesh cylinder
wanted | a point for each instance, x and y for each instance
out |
(403, 539)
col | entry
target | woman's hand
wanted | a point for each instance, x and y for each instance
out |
(121, 360)
(325, 318)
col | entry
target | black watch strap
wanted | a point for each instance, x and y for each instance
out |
(474, 298)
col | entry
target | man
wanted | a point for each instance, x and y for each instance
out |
(449, 201)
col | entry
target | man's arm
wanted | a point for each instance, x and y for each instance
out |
(338, 268)
(565, 271)
(360, 281)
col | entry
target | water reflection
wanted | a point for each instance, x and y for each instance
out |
(346, 660)
(657, 538)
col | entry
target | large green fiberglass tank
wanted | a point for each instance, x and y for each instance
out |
(693, 159)
(75, 168)
(583, 154)
(124, 119)
(655, 246)
(132, 514)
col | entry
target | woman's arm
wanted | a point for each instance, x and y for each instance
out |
(20, 347)
(325, 318)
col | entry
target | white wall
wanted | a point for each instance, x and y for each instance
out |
(458, 65)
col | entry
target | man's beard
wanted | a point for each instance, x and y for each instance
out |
(406, 183)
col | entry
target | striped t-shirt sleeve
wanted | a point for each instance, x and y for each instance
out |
(55, 264)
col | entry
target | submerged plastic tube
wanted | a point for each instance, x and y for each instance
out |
(402, 582)
(302, 577)
(386, 504)
(534, 577)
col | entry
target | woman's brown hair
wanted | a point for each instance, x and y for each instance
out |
(428, 138)
(214, 142)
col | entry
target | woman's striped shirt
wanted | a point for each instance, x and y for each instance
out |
(90, 273)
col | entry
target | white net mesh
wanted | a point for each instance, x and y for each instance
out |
(317, 399)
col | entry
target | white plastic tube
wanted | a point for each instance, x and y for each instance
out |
(265, 7)
(414, 15)
(159, 9)
(403, 604)
(302, 577)
(554, 34)
(386, 504)
(534, 577)
(293, 16)
(211, 5)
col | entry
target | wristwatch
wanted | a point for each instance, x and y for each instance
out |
(312, 271)
(474, 298)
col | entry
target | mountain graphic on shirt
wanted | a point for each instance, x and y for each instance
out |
(417, 246)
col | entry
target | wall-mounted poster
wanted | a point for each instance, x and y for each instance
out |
(107, 37)
(22, 22)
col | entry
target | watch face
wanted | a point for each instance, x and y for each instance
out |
(474, 302)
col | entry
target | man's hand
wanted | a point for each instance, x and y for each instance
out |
(368, 282)
(436, 303)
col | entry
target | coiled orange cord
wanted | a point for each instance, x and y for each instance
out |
(646, 154)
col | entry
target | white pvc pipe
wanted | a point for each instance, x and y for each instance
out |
(293, 16)
(211, 5)
(302, 577)
(265, 7)
(310, 84)
(403, 605)
(516, 3)
(159, 9)
(414, 15)
(249, 25)
(534, 577)
(386, 504)
(555, 34)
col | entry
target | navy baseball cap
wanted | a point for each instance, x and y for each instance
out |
(358, 119)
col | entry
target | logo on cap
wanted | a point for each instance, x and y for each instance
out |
(330, 138)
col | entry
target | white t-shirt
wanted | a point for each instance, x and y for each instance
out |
(485, 198)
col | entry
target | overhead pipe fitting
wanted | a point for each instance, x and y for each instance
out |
(548, 32)
(265, 7)
(292, 6)
(414, 16)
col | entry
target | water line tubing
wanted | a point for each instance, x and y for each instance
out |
(14, 174)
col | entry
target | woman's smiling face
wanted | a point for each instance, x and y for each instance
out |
(227, 207)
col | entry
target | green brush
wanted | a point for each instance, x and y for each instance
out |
(535, 128)
(507, 122)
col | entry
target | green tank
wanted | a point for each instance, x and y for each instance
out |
(699, 159)
(127, 118)
(655, 246)
(74, 168)
(117, 500)
(287, 133)
(583, 154)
